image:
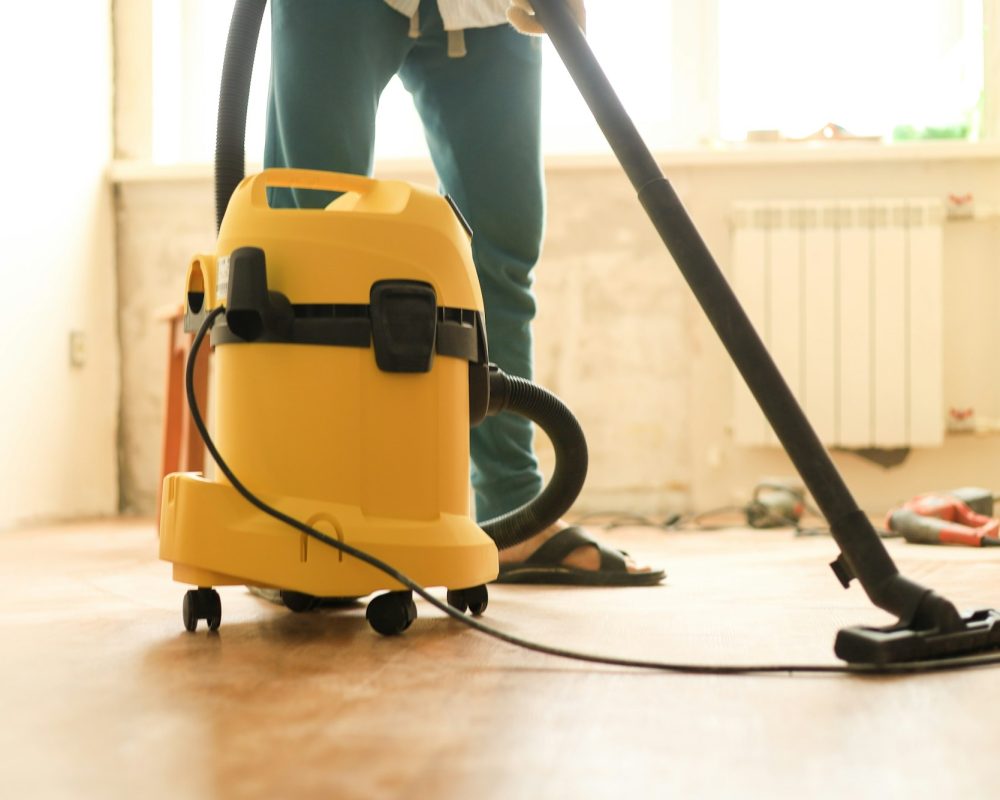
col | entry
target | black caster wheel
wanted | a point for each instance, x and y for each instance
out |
(203, 604)
(456, 599)
(391, 613)
(474, 599)
(299, 601)
(478, 598)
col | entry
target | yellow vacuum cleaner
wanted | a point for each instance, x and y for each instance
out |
(350, 360)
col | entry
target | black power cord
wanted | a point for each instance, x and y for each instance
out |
(527, 644)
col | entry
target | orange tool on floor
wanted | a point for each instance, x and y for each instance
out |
(943, 519)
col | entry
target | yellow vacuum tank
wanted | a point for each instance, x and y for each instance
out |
(341, 396)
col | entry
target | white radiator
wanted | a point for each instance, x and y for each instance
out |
(847, 296)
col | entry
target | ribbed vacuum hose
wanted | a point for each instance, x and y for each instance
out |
(510, 393)
(234, 93)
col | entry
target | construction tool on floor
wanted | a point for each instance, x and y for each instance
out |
(929, 626)
(776, 504)
(946, 519)
(981, 501)
(350, 362)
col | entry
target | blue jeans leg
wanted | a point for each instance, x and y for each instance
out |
(481, 116)
(331, 60)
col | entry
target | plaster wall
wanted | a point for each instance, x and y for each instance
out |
(618, 336)
(58, 429)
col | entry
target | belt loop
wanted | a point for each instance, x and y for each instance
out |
(456, 44)
(415, 25)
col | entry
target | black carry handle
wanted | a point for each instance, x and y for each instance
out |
(863, 554)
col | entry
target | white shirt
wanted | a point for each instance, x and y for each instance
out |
(460, 14)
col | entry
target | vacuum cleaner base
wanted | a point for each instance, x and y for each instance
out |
(214, 537)
(979, 631)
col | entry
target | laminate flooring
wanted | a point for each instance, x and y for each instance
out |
(103, 694)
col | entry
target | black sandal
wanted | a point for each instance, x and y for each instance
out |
(545, 565)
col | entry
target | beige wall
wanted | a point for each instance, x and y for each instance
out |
(59, 422)
(160, 226)
(722, 472)
(618, 336)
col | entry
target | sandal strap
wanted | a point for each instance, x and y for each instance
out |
(553, 551)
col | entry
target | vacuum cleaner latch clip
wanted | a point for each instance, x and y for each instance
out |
(843, 571)
(404, 325)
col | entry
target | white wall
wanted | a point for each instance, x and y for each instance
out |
(58, 427)
(619, 336)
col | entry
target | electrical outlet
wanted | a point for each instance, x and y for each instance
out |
(77, 349)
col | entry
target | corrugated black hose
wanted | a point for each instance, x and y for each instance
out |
(510, 393)
(231, 125)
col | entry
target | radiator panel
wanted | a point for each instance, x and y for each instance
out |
(847, 297)
(819, 338)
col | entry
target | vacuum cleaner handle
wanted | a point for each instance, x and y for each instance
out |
(863, 555)
(306, 179)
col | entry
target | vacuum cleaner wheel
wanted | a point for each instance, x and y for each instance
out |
(202, 603)
(474, 599)
(298, 601)
(392, 612)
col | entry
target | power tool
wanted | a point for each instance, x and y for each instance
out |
(947, 519)
(775, 504)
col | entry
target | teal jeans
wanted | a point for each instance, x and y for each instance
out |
(330, 61)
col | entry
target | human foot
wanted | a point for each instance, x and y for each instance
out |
(568, 554)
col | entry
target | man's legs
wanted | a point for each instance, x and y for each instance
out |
(330, 61)
(481, 117)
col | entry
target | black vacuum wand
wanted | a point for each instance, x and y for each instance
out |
(929, 626)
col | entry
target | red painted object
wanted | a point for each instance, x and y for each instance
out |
(182, 450)
(942, 519)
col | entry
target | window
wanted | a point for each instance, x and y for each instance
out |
(688, 71)
(871, 67)
(189, 39)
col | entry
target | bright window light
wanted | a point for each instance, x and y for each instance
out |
(871, 67)
(687, 71)
(189, 41)
(635, 57)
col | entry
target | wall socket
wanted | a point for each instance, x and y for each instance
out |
(77, 349)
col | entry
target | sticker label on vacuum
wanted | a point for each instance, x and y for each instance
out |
(222, 278)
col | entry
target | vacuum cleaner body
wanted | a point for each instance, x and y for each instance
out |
(349, 365)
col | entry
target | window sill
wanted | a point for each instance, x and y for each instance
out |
(819, 152)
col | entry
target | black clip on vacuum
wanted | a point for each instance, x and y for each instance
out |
(929, 626)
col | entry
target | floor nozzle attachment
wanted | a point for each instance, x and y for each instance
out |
(970, 633)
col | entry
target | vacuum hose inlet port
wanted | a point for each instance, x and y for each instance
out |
(253, 312)
(199, 295)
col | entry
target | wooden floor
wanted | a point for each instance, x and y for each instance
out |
(104, 695)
